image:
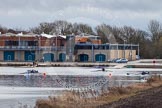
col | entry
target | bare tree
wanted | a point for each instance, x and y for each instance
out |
(105, 31)
(155, 29)
(82, 28)
(3, 29)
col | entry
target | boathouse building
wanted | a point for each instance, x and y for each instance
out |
(51, 48)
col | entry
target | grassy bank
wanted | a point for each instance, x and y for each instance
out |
(75, 99)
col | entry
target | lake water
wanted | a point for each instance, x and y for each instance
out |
(18, 89)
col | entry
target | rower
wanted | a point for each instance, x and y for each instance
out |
(144, 72)
(103, 69)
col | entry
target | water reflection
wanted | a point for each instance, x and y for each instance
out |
(27, 88)
(65, 81)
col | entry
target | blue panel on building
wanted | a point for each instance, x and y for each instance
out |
(62, 57)
(9, 56)
(48, 57)
(83, 57)
(29, 56)
(100, 57)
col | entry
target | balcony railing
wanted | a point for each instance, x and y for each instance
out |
(53, 48)
(47, 48)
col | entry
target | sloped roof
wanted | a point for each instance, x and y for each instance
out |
(9, 34)
(84, 39)
(47, 35)
(50, 36)
(63, 36)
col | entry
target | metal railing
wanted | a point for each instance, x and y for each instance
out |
(52, 48)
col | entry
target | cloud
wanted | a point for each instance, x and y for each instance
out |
(55, 5)
(132, 5)
(115, 12)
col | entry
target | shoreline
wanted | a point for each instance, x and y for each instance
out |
(142, 95)
(144, 63)
(57, 64)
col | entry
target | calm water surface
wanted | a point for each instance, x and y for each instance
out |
(19, 89)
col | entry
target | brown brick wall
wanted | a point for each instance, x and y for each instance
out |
(42, 40)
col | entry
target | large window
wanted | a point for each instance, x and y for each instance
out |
(100, 47)
(22, 43)
(121, 47)
(83, 57)
(32, 43)
(95, 47)
(113, 47)
(83, 47)
(11, 43)
(100, 57)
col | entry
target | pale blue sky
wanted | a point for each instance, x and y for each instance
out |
(29, 13)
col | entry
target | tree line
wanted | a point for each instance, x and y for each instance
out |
(150, 41)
